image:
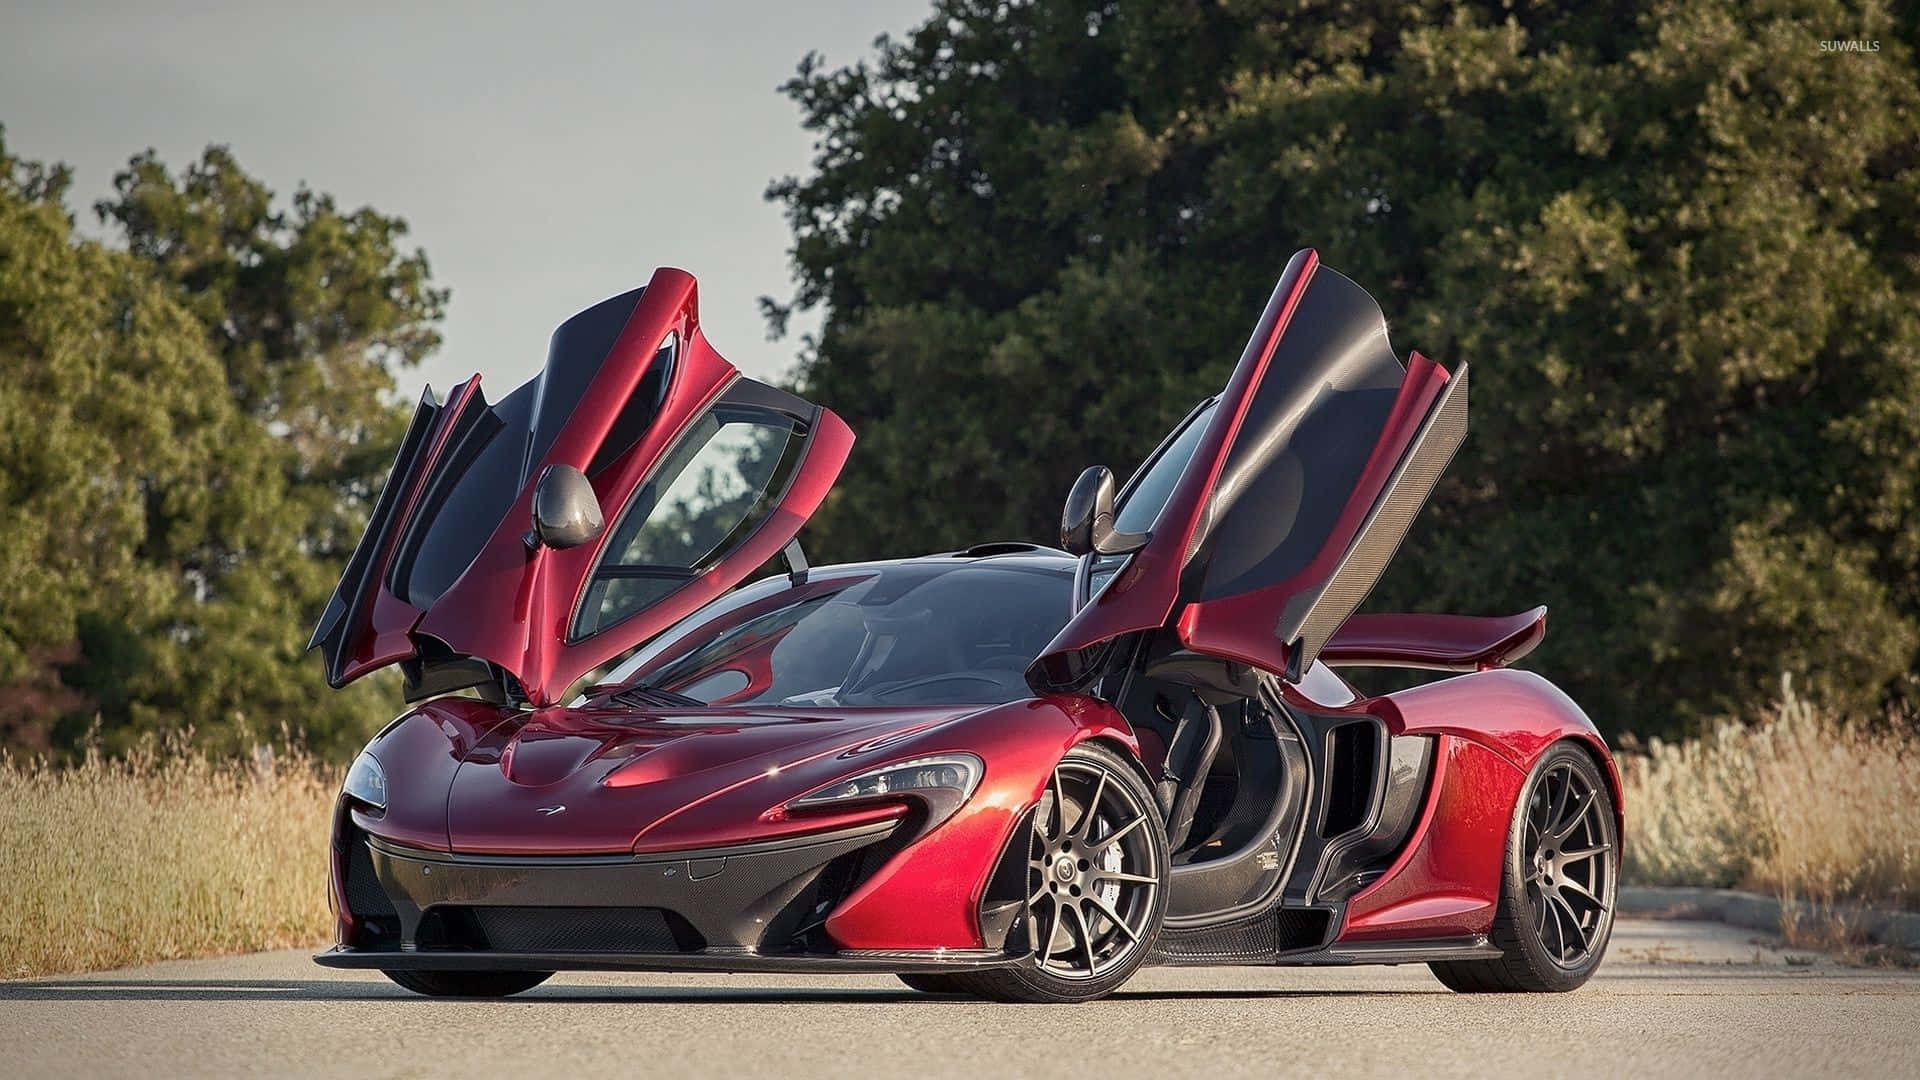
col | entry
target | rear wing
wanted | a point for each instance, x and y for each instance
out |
(1435, 642)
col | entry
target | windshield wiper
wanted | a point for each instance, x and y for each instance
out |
(646, 695)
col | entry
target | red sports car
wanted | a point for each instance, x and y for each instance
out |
(1013, 771)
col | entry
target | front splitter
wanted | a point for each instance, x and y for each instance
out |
(718, 961)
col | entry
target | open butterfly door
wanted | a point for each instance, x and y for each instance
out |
(1272, 511)
(700, 476)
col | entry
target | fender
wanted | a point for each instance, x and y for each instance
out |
(1517, 714)
(424, 746)
(1491, 728)
(919, 898)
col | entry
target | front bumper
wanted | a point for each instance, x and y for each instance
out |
(750, 907)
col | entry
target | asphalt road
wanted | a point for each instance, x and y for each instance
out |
(1674, 999)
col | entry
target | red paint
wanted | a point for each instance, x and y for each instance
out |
(1443, 642)
(655, 781)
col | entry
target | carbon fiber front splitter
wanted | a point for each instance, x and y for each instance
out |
(710, 960)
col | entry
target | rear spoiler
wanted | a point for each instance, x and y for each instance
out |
(1435, 642)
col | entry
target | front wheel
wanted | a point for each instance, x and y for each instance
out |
(471, 984)
(1097, 868)
(1558, 886)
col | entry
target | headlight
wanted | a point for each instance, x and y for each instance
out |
(942, 782)
(367, 782)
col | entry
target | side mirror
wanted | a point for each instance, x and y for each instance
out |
(1086, 524)
(1087, 519)
(566, 512)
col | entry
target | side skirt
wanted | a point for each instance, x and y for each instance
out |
(1397, 952)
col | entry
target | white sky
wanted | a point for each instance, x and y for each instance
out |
(545, 155)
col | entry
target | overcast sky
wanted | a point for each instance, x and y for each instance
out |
(546, 157)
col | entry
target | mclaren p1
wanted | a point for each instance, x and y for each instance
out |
(1013, 771)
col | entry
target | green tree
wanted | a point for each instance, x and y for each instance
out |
(194, 420)
(1678, 241)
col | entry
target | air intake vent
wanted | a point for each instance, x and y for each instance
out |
(1283, 931)
(1006, 547)
(1351, 753)
(579, 929)
(379, 923)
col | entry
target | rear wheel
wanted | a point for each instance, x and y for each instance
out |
(1097, 868)
(1557, 894)
(474, 984)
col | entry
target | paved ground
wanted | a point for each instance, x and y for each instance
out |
(1675, 999)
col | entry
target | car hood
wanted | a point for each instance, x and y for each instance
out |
(587, 780)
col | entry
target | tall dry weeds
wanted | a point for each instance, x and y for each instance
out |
(164, 854)
(1801, 804)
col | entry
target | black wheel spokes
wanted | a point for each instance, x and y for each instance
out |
(1088, 897)
(1569, 866)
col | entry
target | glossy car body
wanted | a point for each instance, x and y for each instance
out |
(645, 825)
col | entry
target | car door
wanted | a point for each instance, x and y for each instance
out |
(701, 476)
(1275, 506)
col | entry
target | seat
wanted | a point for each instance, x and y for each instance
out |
(1190, 754)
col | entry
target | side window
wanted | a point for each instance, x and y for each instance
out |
(1322, 686)
(710, 494)
(641, 408)
(1145, 494)
(1148, 491)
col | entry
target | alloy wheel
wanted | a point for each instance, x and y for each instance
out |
(1569, 867)
(1089, 901)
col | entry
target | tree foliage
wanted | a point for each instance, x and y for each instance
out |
(194, 416)
(1677, 240)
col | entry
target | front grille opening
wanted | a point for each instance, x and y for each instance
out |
(1351, 753)
(799, 926)
(376, 923)
(448, 927)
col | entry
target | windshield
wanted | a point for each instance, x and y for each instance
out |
(905, 634)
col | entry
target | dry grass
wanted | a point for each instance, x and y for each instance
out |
(1801, 805)
(164, 855)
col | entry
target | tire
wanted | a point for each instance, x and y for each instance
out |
(1540, 883)
(468, 984)
(1132, 886)
(931, 982)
